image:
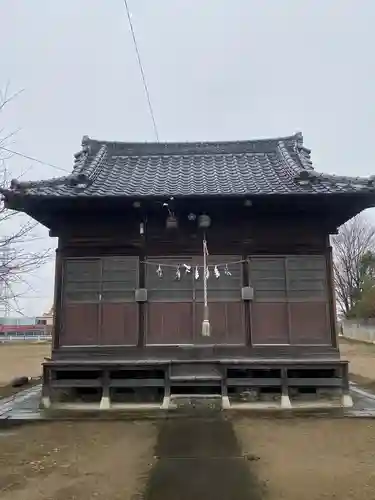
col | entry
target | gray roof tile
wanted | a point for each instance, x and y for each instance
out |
(259, 167)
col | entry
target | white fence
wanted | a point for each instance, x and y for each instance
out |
(25, 338)
(359, 330)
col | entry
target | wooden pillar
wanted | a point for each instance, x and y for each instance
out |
(246, 303)
(142, 306)
(331, 296)
(57, 300)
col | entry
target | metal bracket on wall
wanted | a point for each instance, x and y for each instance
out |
(141, 295)
(247, 293)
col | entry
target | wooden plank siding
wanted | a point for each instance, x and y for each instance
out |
(291, 300)
(175, 307)
(291, 305)
(227, 311)
(99, 305)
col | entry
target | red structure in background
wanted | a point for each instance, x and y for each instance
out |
(26, 332)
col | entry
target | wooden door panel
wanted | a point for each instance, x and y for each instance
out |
(227, 325)
(169, 323)
(119, 323)
(80, 324)
(269, 323)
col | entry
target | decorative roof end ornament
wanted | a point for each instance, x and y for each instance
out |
(299, 139)
(305, 178)
(80, 180)
(15, 184)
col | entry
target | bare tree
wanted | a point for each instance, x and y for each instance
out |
(17, 232)
(355, 239)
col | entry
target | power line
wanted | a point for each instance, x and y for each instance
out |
(34, 159)
(142, 71)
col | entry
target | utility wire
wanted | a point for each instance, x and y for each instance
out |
(142, 71)
(34, 159)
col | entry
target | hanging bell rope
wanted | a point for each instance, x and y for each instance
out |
(206, 322)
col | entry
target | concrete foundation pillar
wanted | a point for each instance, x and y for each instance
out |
(225, 403)
(347, 401)
(166, 402)
(46, 402)
(285, 401)
(105, 403)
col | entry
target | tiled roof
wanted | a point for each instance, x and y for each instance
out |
(245, 168)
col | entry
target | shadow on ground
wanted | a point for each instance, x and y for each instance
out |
(200, 458)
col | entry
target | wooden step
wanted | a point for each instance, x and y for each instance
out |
(194, 371)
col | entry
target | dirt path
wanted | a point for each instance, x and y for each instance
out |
(362, 362)
(200, 459)
(311, 459)
(25, 358)
(77, 461)
(190, 459)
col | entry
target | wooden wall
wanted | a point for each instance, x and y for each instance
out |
(287, 263)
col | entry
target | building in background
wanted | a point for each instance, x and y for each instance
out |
(46, 318)
(26, 328)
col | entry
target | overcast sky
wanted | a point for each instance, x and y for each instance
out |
(216, 69)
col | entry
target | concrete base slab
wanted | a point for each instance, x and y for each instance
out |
(136, 406)
(256, 405)
(315, 405)
(25, 406)
(75, 406)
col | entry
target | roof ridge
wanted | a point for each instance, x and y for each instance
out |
(198, 154)
(87, 142)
